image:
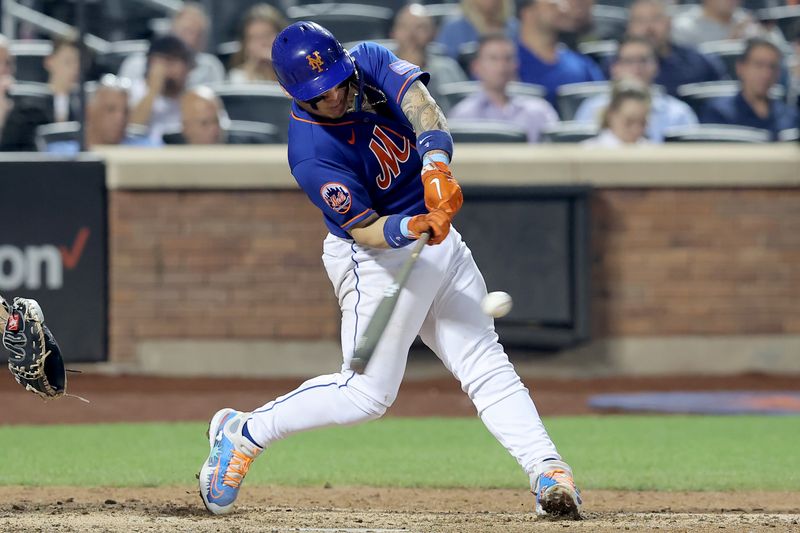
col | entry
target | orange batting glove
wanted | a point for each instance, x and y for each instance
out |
(441, 189)
(437, 223)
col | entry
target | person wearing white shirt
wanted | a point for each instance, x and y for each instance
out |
(636, 59)
(718, 20)
(156, 102)
(190, 25)
(624, 120)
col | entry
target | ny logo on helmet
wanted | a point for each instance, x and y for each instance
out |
(315, 61)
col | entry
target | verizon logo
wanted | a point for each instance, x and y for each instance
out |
(42, 266)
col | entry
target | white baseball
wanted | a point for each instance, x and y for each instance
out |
(497, 304)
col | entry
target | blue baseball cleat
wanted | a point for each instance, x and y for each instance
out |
(555, 490)
(231, 455)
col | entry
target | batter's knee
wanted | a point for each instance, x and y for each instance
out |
(373, 405)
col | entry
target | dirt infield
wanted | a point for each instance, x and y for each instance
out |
(143, 399)
(361, 509)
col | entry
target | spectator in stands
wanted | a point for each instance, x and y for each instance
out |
(794, 64)
(624, 121)
(413, 30)
(677, 65)
(478, 17)
(190, 25)
(495, 66)
(543, 60)
(106, 119)
(577, 24)
(253, 61)
(202, 116)
(63, 69)
(758, 69)
(6, 80)
(156, 102)
(717, 20)
(636, 59)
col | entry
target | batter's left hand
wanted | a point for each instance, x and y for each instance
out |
(441, 189)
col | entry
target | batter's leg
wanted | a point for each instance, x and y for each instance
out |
(463, 337)
(360, 277)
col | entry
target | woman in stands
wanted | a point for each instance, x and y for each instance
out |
(253, 61)
(624, 121)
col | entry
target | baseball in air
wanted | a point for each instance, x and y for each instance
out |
(497, 304)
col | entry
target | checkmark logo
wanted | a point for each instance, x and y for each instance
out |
(352, 139)
(71, 257)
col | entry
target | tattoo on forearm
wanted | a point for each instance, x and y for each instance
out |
(421, 109)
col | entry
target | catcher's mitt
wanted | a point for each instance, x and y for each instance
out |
(35, 359)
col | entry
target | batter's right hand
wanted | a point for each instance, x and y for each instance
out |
(437, 223)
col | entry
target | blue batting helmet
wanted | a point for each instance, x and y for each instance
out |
(309, 61)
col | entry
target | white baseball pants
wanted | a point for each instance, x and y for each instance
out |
(441, 303)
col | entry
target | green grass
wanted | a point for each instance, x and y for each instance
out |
(619, 452)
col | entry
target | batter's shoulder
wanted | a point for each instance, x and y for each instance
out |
(309, 141)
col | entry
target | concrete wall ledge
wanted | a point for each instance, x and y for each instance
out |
(631, 356)
(673, 165)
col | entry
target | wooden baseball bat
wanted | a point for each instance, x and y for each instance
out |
(369, 340)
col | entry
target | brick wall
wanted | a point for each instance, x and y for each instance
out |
(191, 264)
(246, 265)
(713, 261)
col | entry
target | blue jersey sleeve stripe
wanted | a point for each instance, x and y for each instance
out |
(361, 216)
(406, 85)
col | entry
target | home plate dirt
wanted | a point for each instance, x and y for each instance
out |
(362, 509)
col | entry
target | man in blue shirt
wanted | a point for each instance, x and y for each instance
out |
(677, 65)
(542, 59)
(758, 70)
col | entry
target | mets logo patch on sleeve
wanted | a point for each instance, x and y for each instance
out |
(337, 196)
(402, 66)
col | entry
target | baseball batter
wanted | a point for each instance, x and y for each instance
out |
(371, 149)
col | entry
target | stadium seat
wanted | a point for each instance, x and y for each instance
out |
(602, 52)
(727, 52)
(790, 135)
(29, 57)
(348, 22)
(571, 96)
(246, 132)
(118, 51)
(388, 43)
(486, 131)
(31, 91)
(60, 131)
(609, 21)
(466, 53)
(394, 5)
(440, 12)
(569, 132)
(725, 133)
(226, 50)
(697, 94)
(454, 92)
(257, 102)
(784, 16)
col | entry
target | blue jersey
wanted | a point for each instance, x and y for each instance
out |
(362, 163)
